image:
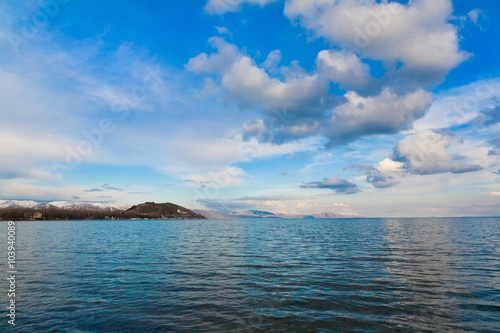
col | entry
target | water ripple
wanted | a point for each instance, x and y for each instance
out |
(272, 275)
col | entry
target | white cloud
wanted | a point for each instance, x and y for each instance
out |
(299, 94)
(417, 34)
(272, 60)
(474, 15)
(460, 105)
(345, 68)
(212, 162)
(217, 62)
(388, 173)
(222, 30)
(479, 18)
(23, 148)
(210, 88)
(298, 105)
(425, 152)
(251, 86)
(223, 6)
(55, 93)
(210, 152)
(382, 114)
(228, 176)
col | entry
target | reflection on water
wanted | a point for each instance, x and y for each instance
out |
(269, 275)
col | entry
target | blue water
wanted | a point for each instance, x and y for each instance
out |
(256, 275)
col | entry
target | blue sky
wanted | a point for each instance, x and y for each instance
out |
(361, 107)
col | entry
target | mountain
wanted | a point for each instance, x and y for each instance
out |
(145, 210)
(161, 210)
(327, 215)
(253, 213)
(66, 210)
(18, 204)
(71, 205)
(256, 213)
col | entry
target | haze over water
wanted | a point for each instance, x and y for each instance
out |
(257, 275)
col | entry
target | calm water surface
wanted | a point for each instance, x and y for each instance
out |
(256, 275)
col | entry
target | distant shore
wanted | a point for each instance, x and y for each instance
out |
(146, 211)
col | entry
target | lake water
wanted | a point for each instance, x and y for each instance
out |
(256, 275)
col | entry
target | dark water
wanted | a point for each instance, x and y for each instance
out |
(352, 275)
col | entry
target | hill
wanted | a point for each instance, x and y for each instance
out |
(161, 211)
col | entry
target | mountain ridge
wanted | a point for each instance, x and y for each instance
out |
(123, 207)
(72, 205)
(67, 210)
(255, 213)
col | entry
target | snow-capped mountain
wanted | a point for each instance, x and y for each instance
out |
(73, 205)
(18, 204)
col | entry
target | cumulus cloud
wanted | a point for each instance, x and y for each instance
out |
(344, 68)
(425, 153)
(416, 34)
(252, 86)
(339, 185)
(300, 105)
(388, 173)
(294, 103)
(217, 62)
(223, 6)
(422, 153)
(300, 94)
(382, 114)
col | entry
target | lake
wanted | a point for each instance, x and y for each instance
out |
(255, 275)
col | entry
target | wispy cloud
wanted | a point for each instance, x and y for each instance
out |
(94, 190)
(224, 6)
(109, 187)
(338, 185)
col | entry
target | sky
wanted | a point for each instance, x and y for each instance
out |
(355, 107)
